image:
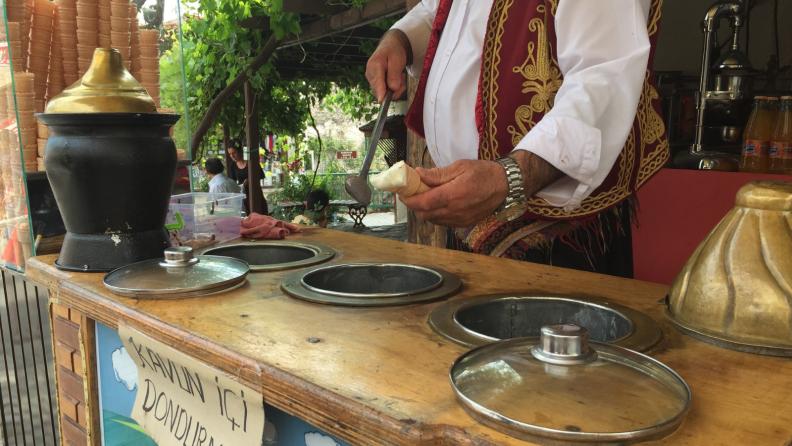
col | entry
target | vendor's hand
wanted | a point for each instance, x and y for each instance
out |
(387, 65)
(245, 183)
(463, 193)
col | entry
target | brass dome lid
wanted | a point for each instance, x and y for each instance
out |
(107, 87)
(735, 291)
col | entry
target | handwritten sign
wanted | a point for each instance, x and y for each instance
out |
(346, 154)
(181, 401)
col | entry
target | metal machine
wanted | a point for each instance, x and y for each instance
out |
(723, 99)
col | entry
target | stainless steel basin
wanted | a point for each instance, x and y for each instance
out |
(275, 255)
(371, 284)
(477, 320)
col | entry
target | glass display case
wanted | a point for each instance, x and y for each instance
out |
(45, 47)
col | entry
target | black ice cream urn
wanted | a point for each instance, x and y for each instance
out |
(111, 163)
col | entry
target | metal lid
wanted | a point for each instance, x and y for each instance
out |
(566, 390)
(107, 87)
(179, 274)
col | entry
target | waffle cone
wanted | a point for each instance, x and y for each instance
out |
(414, 184)
(400, 179)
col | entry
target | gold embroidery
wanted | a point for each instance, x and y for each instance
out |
(654, 18)
(652, 130)
(553, 6)
(543, 79)
(654, 163)
(594, 204)
(489, 76)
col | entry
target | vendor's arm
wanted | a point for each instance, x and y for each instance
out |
(403, 46)
(603, 49)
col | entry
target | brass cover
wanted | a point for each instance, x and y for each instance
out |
(107, 87)
(735, 291)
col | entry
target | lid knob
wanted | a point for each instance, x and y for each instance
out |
(564, 344)
(176, 256)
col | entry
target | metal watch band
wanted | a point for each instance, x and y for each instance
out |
(514, 178)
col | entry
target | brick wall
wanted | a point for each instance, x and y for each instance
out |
(67, 326)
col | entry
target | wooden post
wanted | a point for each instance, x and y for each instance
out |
(226, 143)
(420, 231)
(254, 175)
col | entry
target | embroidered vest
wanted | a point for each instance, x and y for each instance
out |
(518, 85)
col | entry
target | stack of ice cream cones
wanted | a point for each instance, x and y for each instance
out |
(149, 63)
(134, 42)
(43, 135)
(120, 37)
(15, 15)
(26, 30)
(104, 24)
(67, 24)
(24, 101)
(87, 33)
(56, 82)
(15, 46)
(40, 46)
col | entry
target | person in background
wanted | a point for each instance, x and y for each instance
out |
(317, 203)
(219, 183)
(239, 173)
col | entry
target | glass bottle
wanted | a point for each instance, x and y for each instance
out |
(756, 138)
(780, 156)
(774, 107)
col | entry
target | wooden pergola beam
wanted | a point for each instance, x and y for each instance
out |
(257, 22)
(312, 7)
(347, 20)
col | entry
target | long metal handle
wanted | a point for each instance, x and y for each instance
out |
(375, 137)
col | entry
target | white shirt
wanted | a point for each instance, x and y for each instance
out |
(221, 184)
(603, 49)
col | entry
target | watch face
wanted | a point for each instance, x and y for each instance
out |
(511, 213)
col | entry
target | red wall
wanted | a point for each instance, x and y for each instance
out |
(678, 208)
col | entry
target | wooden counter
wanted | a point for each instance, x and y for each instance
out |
(380, 375)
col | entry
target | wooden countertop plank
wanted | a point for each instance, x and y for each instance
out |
(380, 375)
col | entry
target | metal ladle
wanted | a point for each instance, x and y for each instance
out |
(357, 186)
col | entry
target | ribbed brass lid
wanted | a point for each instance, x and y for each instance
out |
(107, 87)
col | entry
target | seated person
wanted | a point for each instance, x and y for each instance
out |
(317, 204)
(219, 183)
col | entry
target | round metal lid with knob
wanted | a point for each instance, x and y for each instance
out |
(567, 390)
(564, 344)
(178, 274)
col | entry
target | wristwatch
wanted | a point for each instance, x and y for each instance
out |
(515, 204)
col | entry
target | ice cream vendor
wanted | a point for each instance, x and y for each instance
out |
(542, 118)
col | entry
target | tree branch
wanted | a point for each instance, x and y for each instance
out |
(318, 157)
(217, 104)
